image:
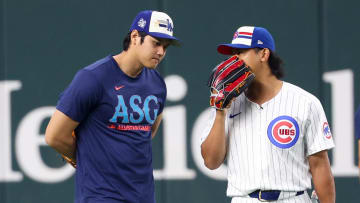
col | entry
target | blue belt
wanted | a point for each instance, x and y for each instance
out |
(269, 195)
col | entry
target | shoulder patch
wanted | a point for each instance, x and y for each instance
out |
(326, 130)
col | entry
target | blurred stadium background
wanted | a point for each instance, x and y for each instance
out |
(44, 42)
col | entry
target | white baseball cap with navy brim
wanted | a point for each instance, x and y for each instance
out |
(154, 23)
(247, 37)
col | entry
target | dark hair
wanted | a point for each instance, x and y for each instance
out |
(127, 40)
(275, 63)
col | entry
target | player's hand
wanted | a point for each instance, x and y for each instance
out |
(227, 81)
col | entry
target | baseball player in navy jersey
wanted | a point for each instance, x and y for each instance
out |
(115, 107)
(274, 136)
(357, 134)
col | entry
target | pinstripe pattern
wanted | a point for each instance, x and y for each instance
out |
(254, 162)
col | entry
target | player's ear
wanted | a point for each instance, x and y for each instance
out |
(134, 36)
(264, 54)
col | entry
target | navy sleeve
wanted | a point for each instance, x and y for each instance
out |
(82, 95)
(164, 100)
(357, 123)
(163, 94)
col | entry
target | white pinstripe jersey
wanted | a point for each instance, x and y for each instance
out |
(269, 144)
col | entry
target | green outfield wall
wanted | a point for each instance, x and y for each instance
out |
(44, 42)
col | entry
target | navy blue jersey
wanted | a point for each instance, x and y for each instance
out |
(116, 113)
(357, 123)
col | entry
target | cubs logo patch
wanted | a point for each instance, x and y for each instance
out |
(326, 130)
(283, 132)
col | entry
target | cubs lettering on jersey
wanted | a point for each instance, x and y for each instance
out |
(283, 131)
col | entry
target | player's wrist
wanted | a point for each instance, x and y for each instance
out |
(221, 112)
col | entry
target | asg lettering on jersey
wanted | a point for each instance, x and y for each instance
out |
(326, 130)
(283, 132)
(139, 114)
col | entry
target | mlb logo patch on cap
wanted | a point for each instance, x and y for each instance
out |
(154, 23)
(248, 37)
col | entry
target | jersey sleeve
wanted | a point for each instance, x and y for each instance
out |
(317, 134)
(357, 124)
(209, 123)
(80, 97)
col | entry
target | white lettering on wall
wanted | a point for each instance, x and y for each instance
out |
(27, 145)
(342, 114)
(174, 123)
(28, 139)
(6, 172)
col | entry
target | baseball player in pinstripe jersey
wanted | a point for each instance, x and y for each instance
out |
(274, 136)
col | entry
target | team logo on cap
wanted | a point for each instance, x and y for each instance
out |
(236, 34)
(142, 23)
(166, 24)
(326, 130)
(283, 132)
(243, 35)
(246, 35)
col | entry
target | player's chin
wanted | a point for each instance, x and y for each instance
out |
(152, 66)
(154, 63)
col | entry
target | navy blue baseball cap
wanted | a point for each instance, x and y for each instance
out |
(248, 37)
(154, 23)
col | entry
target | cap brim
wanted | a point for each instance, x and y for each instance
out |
(174, 41)
(227, 49)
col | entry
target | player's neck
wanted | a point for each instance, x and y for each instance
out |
(261, 91)
(128, 63)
